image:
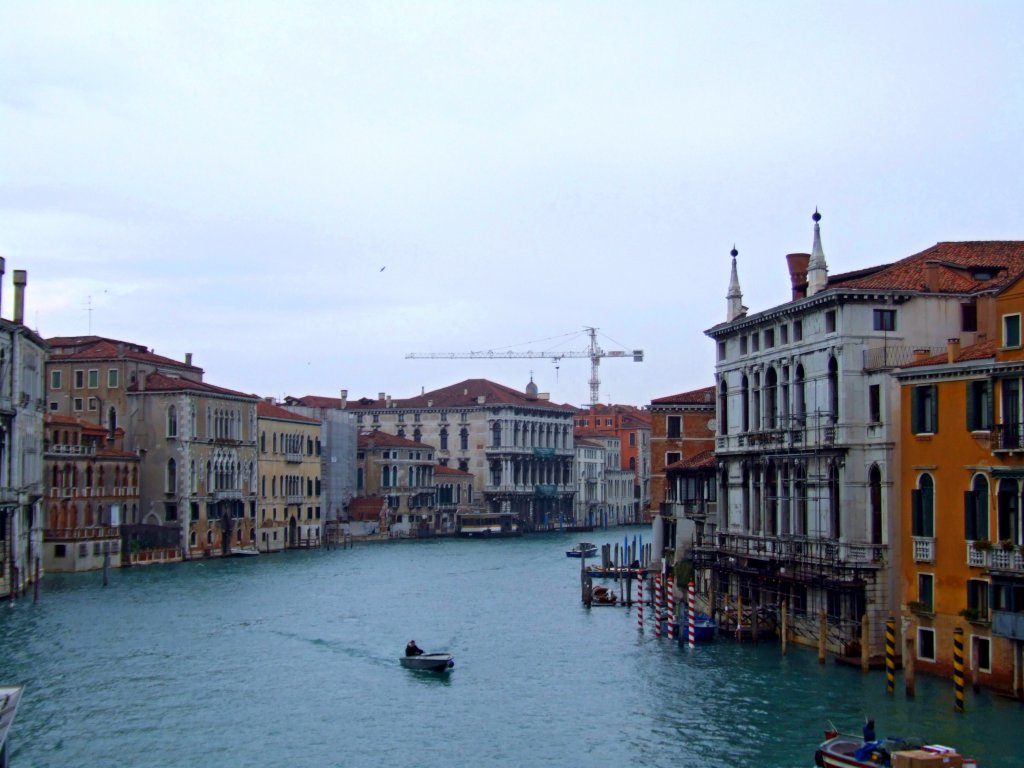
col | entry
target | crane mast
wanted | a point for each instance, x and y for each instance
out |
(593, 351)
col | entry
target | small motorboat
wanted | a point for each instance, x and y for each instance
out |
(844, 751)
(604, 596)
(429, 662)
(583, 549)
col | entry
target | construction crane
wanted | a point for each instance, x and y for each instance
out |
(594, 352)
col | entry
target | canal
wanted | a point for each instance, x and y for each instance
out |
(291, 659)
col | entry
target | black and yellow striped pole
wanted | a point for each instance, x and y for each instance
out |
(890, 656)
(958, 667)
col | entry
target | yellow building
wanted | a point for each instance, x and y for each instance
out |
(289, 489)
(962, 473)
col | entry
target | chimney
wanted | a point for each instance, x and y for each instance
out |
(388, 402)
(142, 382)
(921, 353)
(3, 265)
(188, 358)
(931, 276)
(952, 350)
(430, 403)
(380, 395)
(481, 399)
(20, 281)
(797, 263)
(344, 398)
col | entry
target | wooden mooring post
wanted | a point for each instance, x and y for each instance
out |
(909, 683)
(784, 629)
(865, 644)
(822, 634)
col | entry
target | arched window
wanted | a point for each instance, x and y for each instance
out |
(833, 390)
(723, 407)
(171, 481)
(875, 502)
(464, 439)
(444, 439)
(263, 442)
(172, 421)
(922, 506)
(417, 434)
(385, 477)
(976, 510)
(744, 404)
(771, 382)
(496, 435)
(799, 396)
(835, 508)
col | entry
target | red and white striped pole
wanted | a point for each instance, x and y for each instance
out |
(657, 605)
(640, 600)
(691, 609)
(670, 593)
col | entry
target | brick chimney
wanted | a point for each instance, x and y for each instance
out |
(931, 276)
(344, 399)
(952, 350)
(921, 353)
(797, 263)
(20, 281)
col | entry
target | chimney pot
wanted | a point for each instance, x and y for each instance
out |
(952, 350)
(188, 358)
(921, 353)
(931, 276)
(797, 263)
(380, 395)
(20, 281)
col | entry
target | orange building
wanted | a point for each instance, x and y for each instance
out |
(632, 426)
(962, 474)
(682, 426)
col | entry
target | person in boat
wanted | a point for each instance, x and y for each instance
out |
(411, 649)
(869, 731)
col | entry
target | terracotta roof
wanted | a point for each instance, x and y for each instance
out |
(441, 469)
(109, 349)
(592, 432)
(267, 410)
(378, 439)
(314, 401)
(465, 394)
(587, 443)
(980, 351)
(161, 382)
(702, 460)
(958, 266)
(366, 508)
(702, 396)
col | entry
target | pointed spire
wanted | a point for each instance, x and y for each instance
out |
(817, 269)
(734, 298)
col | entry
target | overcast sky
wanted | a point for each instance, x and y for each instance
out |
(300, 194)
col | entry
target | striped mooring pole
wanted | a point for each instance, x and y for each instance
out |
(958, 668)
(670, 594)
(640, 600)
(890, 656)
(657, 605)
(691, 610)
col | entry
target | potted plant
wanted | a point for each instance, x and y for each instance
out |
(916, 606)
(1006, 544)
(983, 544)
(971, 614)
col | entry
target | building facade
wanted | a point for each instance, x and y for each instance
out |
(402, 472)
(22, 403)
(517, 445)
(92, 484)
(289, 514)
(632, 426)
(808, 418)
(962, 468)
(198, 476)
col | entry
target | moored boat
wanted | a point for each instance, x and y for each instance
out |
(583, 549)
(844, 751)
(429, 662)
(703, 629)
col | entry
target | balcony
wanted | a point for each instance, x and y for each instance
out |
(294, 498)
(800, 548)
(1008, 437)
(72, 450)
(924, 549)
(293, 457)
(227, 494)
(1006, 624)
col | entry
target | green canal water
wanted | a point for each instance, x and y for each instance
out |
(292, 660)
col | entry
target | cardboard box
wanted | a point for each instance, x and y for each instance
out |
(919, 758)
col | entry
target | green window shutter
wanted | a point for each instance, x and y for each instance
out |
(915, 410)
(916, 514)
(970, 519)
(934, 403)
(972, 406)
